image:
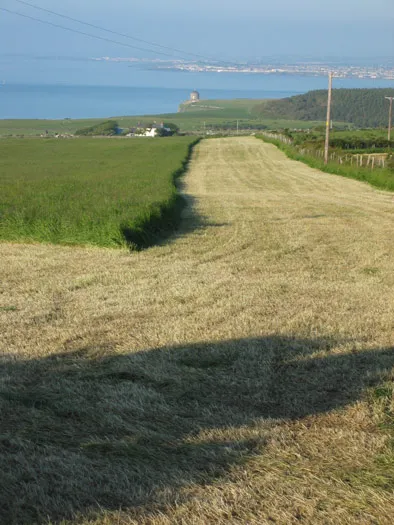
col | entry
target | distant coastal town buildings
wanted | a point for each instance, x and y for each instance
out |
(382, 69)
(312, 70)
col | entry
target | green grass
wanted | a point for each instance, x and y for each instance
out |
(236, 108)
(345, 141)
(219, 111)
(377, 133)
(188, 122)
(33, 127)
(192, 118)
(8, 308)
(380, 178)
(104, 192)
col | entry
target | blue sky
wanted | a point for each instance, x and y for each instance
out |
(228, 29)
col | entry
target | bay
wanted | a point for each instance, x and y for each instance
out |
(89, 89)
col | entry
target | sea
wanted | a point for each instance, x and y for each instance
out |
(119, 90)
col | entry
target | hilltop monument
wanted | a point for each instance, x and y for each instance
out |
(194, 96)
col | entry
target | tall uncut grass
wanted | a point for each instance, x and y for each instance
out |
(104, 192)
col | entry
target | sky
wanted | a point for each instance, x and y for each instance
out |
(242, 29)
(237, 30)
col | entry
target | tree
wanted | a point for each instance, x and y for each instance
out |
(173, 127)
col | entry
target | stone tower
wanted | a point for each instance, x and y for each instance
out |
(194, 96)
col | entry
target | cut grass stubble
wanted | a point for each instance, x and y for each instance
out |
(380, 177)
(240, 374)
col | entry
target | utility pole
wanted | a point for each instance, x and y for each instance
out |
(390, 115)
(237, 127)
(328, 121)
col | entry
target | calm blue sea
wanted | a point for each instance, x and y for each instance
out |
(62, 101)
(141, 92)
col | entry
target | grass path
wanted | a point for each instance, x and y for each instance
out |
(223, 377)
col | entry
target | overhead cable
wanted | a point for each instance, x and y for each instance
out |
(84, 33)
(117, 33)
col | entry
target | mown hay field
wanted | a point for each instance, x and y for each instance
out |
(103, 192)
(380, 177)
(242, 372)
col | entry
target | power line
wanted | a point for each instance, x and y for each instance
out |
(124, 35)
(83, 32)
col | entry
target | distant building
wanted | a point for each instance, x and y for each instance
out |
(150, 132)
(194, 96)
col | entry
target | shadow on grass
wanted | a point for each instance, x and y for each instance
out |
(89, 431)
(163, 222)
(160, 223)
(164, 225)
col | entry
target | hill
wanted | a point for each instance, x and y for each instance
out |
(241, 372)
(233, 108)
(365, 108)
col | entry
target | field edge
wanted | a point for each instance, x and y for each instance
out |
(379, 179)
(161, 219)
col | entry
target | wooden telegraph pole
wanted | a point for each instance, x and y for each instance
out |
(390, 116)
(328, 122)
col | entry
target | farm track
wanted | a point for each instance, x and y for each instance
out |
(287, 263)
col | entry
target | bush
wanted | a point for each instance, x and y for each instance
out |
(106, 128)
(173, 127)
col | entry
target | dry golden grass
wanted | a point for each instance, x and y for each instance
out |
(238, 374)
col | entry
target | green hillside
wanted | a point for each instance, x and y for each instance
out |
(366, 108)
(235, 108)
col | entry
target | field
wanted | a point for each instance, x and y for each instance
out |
(241, 372)
(236, 108)
(36, 127)
(89, 191)
(188, 123)
(344, 160)
(357, 140)
(196, 118)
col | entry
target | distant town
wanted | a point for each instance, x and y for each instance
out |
(314, 69)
